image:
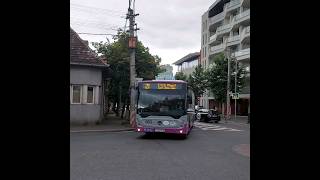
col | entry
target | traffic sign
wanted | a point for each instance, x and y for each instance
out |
(235, 96)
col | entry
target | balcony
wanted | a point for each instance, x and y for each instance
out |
(217, 49)
(224, 29)
(234, 4)
(233, 40)
(245, 35)
(244, 16)
(243, 54)
(212, 38)
(217, 18)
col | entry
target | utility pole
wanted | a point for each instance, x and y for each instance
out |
(228, 84)
(235, 89)
(132, 48)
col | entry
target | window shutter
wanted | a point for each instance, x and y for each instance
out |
(96, 95)
(84, 94)
(71, 94)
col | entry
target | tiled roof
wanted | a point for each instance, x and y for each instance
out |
(188, 57)
(80, 52)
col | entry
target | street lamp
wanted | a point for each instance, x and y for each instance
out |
(235, 86)
(228, 56)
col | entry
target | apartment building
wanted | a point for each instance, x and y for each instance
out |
(226, 25)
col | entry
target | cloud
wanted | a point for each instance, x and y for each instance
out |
(170, 28)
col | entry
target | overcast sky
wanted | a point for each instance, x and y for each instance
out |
(170, 28)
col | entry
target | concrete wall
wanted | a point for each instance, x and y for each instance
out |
(85, 75)
(86, 113)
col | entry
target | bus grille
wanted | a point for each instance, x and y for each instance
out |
(148, 121)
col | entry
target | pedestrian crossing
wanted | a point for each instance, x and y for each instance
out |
(213, 127)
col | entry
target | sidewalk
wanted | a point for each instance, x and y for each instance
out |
(111, 124)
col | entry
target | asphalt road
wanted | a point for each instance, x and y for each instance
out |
(216, 152)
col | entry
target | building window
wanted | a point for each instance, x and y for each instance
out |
(202, 39)
(76, 94)
(90, 95)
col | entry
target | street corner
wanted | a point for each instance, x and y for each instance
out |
(242, 149)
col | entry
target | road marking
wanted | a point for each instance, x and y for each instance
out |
(238, 123)
(205, 127)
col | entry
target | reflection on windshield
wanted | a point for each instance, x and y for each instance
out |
(161, 103)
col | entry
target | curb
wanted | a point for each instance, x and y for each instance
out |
(102, 130)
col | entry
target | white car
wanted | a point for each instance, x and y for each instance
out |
(202, 114)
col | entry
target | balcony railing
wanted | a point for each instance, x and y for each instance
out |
(242, 54)
(225, 28)
(217, 17)
(213, 37)
(242, 15)
(233, 38)
(218, 48)
(233, 3)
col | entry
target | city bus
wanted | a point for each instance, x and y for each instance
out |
(164, 106)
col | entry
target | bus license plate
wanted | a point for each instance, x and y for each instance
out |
(159, 130)
(148, 130)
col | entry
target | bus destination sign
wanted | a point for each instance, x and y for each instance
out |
(167, 86)
(160, 86)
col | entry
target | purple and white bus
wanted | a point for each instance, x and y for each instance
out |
(164, 106)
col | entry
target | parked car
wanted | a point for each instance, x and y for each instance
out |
(214, 116)
(207, 115)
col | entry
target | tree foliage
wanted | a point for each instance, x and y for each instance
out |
(198, 81)
(180, 76)
(118, 57)
(217, 76)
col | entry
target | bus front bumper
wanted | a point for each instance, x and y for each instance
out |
(183, 130)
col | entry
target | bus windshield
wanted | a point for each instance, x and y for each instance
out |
(162, 103)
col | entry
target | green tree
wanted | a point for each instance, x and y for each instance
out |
(180, 76)
(117, 55)
(217, 76)
(198, 82)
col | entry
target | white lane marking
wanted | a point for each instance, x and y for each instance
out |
(212, 127)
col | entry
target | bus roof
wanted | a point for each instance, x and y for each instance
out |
(166, 81)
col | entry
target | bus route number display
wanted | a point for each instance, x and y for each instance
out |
(146, 86)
